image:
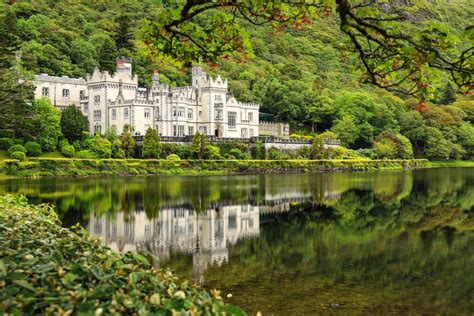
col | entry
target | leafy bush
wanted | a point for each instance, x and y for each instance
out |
(7, 133)
(173, 157)
(274, 154)
(18, 155)
(48, 269)
(6, 143)
(15, 148)
(87, 154)
(213, 153)
(168, 149)
(33, 149)
(236, 153)
(68, 151)
(100, 146)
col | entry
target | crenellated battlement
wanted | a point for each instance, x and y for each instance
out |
(64, 79)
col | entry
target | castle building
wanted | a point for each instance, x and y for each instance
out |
(116, 100)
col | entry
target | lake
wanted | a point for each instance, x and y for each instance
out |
(389, 242)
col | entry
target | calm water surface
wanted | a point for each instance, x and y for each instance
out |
(345, 243)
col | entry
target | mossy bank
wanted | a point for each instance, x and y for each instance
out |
(50, 167)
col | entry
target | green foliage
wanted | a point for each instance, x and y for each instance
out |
(6, 143)
(17, 147)
(274, 154)
(169, 149)
(93, 278)
(128, 144)
(199, 145)
(66, 149)
(73, 123)
(46, 123)
(346, 130)
(173, 157)
(18, 155)
(100, 146)
(213, 153)
(107, 55)
(33, 149)
(392, 146)
(259, 151)
(151, 147)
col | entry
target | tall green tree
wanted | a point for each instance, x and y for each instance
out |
(128, 142)
(108, 55)
(16, 93)
(73, 123)
(151, 147)
(198, 146)
(46, 123)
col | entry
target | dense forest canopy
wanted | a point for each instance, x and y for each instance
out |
(301, 65)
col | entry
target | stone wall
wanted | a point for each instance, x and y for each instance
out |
(274, 129)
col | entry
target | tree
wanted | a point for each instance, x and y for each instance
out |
(101, 146)
(111, 135)
(436, 146)
(107, 55)
(346, 130)
(73, 123)
(391, 145)
(198, 146)
(128, 142)
(151, 147)
(46, 123)
(398, 45)
(16, 93)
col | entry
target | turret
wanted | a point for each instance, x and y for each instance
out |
(124, 65)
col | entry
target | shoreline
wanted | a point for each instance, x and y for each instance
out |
(70, 167)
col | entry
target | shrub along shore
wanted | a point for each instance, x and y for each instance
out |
(48, 269)
(51, 167)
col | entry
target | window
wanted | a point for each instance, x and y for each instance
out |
(190, 113)
(97, 115)
(232, 119)
(175, 130)
(114, 114)
(97, 128)
(200, 114)
(125, 113)
(45, 92)
(174, 111)
(203, 130)
(218, 101)
(147, 113)
(86, 107)
(180, 130)
(250, 116)
(251, 132)
(181, 111)
(82, 94)
(243, 133)
(97, 100)
(190, 130)
(66, 93)
(218, 114)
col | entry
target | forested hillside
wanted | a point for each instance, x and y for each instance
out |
(303, 75)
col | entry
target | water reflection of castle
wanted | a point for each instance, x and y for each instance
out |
(206, 235)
